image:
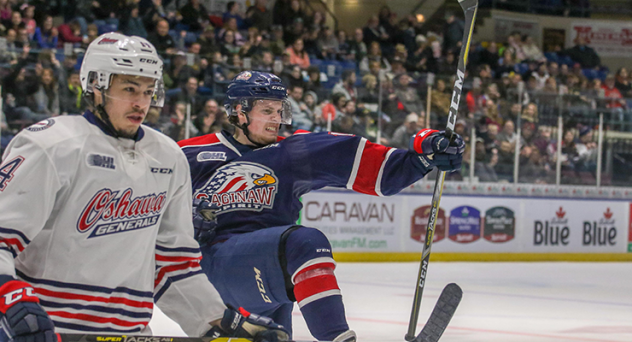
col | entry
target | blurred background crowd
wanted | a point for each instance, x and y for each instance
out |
(384, 81)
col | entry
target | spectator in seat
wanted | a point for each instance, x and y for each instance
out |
(132, 23)
(5, 10)
(208, 121)
(162, 40)
(189, 95)
(259, 16)
(176, 127)
(300, 114)
(47, 96)
(277, 43)
(28, 15)
(93, 33)
(265, 63)
(46, 36)
(70, 100)
(357, 47)
(504, 167)
(583, 54)
(229, 45)
(531, 51)
(70, 33)
(508, 133)
(294, 77)
(484, 167)
(374, 32)
(207, 42)
(623, 83)
(233, 10)
(327, 43)
(347, 86)
(298, 55)
(452, 32)
(335, 108)
(401, 136)
(375, 54)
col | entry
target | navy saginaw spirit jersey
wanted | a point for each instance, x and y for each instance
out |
(101, 228)
(260, 188)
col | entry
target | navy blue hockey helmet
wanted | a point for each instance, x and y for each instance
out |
(249, 86)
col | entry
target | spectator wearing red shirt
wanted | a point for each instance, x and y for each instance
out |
(616, 103)
(70, 33)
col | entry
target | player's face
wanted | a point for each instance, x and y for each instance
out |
(265, 121)
(127, 102)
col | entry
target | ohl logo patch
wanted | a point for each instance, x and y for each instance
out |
(240, 186)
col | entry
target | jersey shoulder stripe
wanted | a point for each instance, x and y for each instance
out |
(208, 139)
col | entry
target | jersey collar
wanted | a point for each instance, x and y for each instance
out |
(243, 149)
(93, 119)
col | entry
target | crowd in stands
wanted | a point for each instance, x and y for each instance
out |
(357, 81)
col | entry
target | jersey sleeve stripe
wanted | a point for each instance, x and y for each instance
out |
(10, 251)
(178, 249)
(133, 314)
(70, 296)
(378, 183)
(205, 140)
(173, 279)
(97, 319)
(319, 296)
(82, 287)
(172, 259)
(12, 243)
(193, 265)
(65, 326)
(356, 163)
(25, 240)
(373, 156)
(319, 262)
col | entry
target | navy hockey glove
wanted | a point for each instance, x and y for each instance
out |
(204, 221)
(435, 149)
(248, 325)
(23, 319)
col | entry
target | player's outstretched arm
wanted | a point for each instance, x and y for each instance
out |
(22, 317)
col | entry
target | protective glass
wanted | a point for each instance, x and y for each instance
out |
(273, 110)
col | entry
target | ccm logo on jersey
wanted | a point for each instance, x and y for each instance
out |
(163, 170)
(111, 212)
(240, 186)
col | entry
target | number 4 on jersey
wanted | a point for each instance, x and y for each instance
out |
(7, 170)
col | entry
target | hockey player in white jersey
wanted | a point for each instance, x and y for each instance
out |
(95, 216)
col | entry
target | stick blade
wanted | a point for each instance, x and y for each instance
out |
(441, 314)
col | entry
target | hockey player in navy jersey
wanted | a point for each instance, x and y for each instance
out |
(95, 216)
(246, 190)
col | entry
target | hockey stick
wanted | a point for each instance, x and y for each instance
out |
(136, 338)
(469, 8)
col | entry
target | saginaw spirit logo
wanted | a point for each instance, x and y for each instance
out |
(240, 186)
(111, 212)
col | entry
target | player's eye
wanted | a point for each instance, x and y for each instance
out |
(149, 92)
(256, 175)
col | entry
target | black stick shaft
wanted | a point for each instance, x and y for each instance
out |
(469, 8)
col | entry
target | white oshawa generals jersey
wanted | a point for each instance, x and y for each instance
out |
(101, 227)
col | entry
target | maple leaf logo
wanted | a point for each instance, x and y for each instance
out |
(560, 213)
(608, 214)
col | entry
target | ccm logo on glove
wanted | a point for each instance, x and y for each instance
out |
(16, 291)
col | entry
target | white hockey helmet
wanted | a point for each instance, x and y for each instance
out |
(118, 54)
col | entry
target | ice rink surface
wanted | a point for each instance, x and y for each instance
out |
(508, 302)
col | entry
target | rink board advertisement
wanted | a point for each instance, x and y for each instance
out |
(479, 224)
(608, 38)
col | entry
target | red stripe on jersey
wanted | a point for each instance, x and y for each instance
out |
(96, 319)
(315, 285)
(231, 184)
(301, 131)
(173, 268)
(15, 242)
(372, 158)
(71, 296)
(203, 140)
(317, 266)
(419, 139)
(176, 258)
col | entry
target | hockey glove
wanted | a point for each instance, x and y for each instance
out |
(204, 221)
(248, 325)
(23, 319)
(435, 149)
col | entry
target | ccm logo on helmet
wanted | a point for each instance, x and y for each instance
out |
(148, 60)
